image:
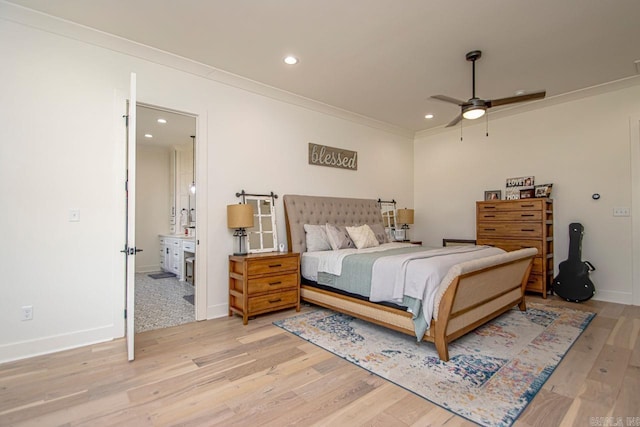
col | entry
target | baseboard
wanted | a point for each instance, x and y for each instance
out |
(613, 296)
(216, 311)
(53, 344)
(143, 269)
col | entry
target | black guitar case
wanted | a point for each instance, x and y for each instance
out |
(572, 282)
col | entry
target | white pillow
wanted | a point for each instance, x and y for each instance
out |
(338, 237)
(316, 237)
(363, 236)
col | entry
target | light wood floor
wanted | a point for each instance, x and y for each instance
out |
(219, 372)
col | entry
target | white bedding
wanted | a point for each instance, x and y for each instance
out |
(331, 261)
(416, 275)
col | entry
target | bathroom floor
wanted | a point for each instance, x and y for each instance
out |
(160, 303)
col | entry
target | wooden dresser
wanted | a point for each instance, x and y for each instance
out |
(516, 224)
(263, 282)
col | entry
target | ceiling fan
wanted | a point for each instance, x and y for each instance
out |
(475, 107)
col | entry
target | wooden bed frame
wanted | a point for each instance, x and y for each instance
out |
(471, 294)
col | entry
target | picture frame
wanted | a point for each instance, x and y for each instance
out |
(493, 195)
(527, 193)
(543, 190)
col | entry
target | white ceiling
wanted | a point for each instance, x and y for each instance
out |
(383, 59)
(176, 131)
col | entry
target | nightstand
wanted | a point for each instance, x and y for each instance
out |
(263, 282)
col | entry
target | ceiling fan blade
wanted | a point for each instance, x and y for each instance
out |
(448, 99)
(454, 121)
(514, 99)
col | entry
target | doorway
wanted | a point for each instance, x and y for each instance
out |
(165, 279)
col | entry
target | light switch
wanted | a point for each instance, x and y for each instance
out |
(74, 215)
(621, 211)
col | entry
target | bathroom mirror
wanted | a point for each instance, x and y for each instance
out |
(262, 237)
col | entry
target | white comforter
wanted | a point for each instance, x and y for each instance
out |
(419, 274)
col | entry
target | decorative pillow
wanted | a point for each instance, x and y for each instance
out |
(316, 237)
(338, 237)
(363, 236)
(380, 232)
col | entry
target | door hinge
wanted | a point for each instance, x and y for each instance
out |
(126, 120)
(125, 313)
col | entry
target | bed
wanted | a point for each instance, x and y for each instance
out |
(473, 289)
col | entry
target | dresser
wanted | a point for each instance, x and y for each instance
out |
(517, 224)
(263, 282)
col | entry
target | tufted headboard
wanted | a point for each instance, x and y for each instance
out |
(301, 210)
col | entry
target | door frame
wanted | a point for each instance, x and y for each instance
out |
(200, 301)
(634, 142)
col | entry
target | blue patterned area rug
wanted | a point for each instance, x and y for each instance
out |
(493, 372)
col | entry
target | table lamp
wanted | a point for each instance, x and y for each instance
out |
(240, 217)
(405, 217)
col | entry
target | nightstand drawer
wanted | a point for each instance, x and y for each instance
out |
(273, 301)
(275, 265)
(535, 283)
(272, 283)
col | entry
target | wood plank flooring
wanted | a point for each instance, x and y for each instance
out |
(221, 373)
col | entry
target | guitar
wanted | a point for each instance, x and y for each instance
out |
(572, 282)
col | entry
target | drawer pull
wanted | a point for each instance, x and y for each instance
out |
(489, 207)
(526, 206)
(527, 215)
(489, 229)
(273, 301)
(275, 265)
(489, 216)
(527, 229)
(274, 283)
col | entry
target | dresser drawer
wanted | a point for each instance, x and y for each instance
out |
(511, 245)
(510, 216)
(498, 229)
(273, 301)
(276, 265)
(511, 205)
(272, 283)
(536, 283)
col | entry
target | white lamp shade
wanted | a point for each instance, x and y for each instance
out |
(239, 216)
(473, 113)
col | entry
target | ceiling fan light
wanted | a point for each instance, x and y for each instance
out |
(474, 112)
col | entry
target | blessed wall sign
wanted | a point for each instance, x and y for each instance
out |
(322, 155)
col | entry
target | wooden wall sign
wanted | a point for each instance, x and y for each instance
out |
(322, 155)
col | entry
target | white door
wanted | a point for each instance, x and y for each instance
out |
(130, 247)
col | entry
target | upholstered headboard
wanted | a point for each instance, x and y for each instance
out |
(301, 210)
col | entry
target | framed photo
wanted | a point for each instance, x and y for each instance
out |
(493, 195)
(512, 193)
(526, 194)
(543, 190)
(523, 181)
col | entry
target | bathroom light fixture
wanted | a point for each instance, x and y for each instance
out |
(428, 116)
(148, 135)
(163, 121)
(192, 186)
(290, 60)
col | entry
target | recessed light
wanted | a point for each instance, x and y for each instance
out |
(291, 60)
(429, 116)
(148, 135)
(163, 121)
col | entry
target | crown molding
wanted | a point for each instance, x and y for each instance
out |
(47, 23)
(547, 102)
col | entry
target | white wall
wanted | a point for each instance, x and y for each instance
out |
(581, 146)
(153, 189)
(63, 134)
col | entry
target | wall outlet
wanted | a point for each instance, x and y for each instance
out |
(621, 211)
(27, 312)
